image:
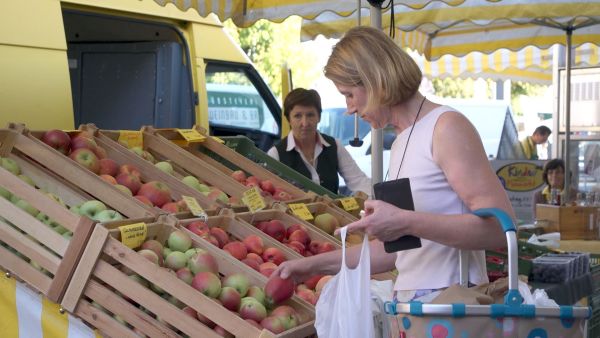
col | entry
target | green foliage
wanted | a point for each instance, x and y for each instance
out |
(270, 45)
(455, 88)
(519, 88)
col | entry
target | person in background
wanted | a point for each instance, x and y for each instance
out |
(317, 156)
(449, 173)
(554, 177)
(529, 144)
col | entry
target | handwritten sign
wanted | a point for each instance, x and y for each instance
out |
(300, 210)
(253, 200)
(131, 138)
(191, 135)
(194, 207)
(349, 203)
(133, 235)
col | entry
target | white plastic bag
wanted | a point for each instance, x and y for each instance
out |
(344, 307)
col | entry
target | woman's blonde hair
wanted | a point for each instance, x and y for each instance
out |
(366, 57)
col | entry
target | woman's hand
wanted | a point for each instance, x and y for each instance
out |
(383, 220)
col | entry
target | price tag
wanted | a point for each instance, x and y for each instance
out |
(194, 207)
(253, 200)
(133, 235)
(191, 135)
(349, 203)
(218, 140)
(300, 210)
(131, 138)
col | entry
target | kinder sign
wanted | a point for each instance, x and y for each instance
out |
(521, 180)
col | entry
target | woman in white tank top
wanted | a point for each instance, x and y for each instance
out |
(444, 159)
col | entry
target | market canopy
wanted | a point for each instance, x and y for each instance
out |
(476, 25)
(244, 13)
(530, 64)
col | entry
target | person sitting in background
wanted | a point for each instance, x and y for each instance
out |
(554, 177)
(529, 144)
(317, 156)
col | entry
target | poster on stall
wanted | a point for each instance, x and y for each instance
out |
(521, 179)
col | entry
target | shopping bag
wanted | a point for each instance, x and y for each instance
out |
(344, 306)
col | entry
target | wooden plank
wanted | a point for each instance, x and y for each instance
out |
(33, 227)
(84, 268)
(70, 259)
(131, 314)
(100, 319)
(83, 178)
(7, 141)
(26, 246)
(14, 264)
(148, 299)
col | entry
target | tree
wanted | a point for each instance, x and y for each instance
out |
(270, 45)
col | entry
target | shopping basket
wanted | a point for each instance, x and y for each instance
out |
(510, 319)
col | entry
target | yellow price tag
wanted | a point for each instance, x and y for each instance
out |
(349, 203)
(191, 135)
(194, 207)
(300, 210)
(131, 138)
(133, 235)
(253, 200)
(218, 140)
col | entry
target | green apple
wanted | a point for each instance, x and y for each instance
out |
(10, 165)
(91, 208)
(68, 235)
(27, 180)
(60, 229)
(56, 198)
(107, 216)
(203, 188)
(5, 193)
(166, 167)
(191, 181)
(75, 209)
(23, 204)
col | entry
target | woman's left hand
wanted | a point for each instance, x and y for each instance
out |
(383, 220)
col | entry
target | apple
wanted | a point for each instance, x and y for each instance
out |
(202, 261)
(130, 169)
(91, 208)
(207, 283)
(230, 298)
(100, 152)
(221, 236)
(198, 227)
(108, 179)
(108, 167)
(107, 216)
(191, 181)
(27, 180)
(10, 165)
(143, 154)
(124, 189)
(250, 308)
(275, 229)
(86, 158)
(278, 290)
(281, 195)
(131, 181)
(254, 244)
(82, 141)
(326, 222)
(179, 240)
(28, 208)
(273, 255)
(157, 192)
(58, 140)
(5, 193)
(237, 249)
(170, 207)
(165, 167)
(239, 175)
(268, 186)
(273, 324)
(144, 200)
(238, 281)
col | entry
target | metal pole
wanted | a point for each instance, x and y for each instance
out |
(568, 114)
(376, 134)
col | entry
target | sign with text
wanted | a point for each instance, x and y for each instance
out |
(133, 235)
(253, 200)
(301, 210)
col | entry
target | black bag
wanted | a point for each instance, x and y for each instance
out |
(398, 193)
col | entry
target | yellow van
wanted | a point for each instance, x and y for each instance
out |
(122, 64)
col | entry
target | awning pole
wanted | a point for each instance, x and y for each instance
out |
(376, 134)
(568, 117)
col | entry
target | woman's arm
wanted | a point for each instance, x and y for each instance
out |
(355, 179)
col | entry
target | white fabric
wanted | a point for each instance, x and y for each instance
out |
(434, 265)
(344, 306)
(29, 308)
(355, 179)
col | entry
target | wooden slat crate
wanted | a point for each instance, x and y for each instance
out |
(573, 222)
(26, 240)
(18, 142)
(98, 279)
(360, 198)
(234, 159)
(183, 163)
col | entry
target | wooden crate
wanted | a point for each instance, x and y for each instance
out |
(26, 240)
(360, 198)
(18, 142)
(234, 160)
(98, 279)
(572, 222)
(183, 163)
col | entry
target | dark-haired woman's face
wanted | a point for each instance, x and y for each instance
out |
(556, 177)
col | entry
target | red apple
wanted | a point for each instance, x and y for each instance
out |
(198, 227)
(86, 158)
(275, 229)
(273, 255)
(109, 179)
(144, 200)
(83, 141)
(130, 181)
(170, 207)
(239, 175)
(278, 290)
(108, 167)
(281, 195)
(130, 169)
(58, 140)
(237, 249)
(157, 192)
(254, 244)
(268, 186)
(221, 236)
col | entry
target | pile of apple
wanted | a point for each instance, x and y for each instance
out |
(266, 187)
(84, 150)
(250, 250)
(294, 236)
(198, 268)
